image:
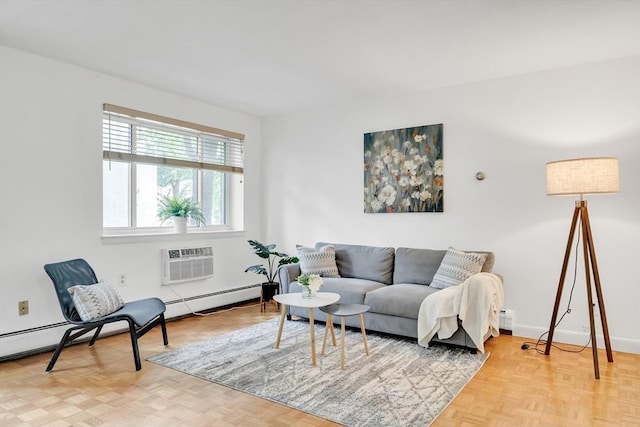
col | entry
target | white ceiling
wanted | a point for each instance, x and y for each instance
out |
(266, 57)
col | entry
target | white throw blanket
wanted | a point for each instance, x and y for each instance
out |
(476, 301)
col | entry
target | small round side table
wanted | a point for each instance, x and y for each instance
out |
(344, 310)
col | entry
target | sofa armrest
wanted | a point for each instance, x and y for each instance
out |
(287, 274)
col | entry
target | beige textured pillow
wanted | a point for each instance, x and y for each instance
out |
(318, 261)
(456, 267)
(95, 301)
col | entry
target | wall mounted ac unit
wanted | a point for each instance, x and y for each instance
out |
(185, 264)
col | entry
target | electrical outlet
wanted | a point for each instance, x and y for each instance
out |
(123, 279)
(23, 307)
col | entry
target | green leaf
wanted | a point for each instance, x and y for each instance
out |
(179, 207)
(268, 252)
(258, 269)
(259, 249)
(288, 260)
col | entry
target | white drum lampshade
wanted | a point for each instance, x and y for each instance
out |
(583, 176)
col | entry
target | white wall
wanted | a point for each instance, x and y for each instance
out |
(51, 194)
(508, 128)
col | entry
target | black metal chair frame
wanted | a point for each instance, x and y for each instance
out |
(61, 272)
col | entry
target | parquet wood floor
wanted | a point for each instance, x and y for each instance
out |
(100, 387)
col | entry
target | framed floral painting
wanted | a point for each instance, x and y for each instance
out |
(403, 170)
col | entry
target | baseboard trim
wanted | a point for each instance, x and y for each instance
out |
(52, 347)
(624, 345)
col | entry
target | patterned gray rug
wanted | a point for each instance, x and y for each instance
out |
(398, 384)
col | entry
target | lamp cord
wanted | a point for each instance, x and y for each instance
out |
(196, 313)
(542, 342)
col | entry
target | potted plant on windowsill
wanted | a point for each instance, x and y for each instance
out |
(269, 253)
(180, 209)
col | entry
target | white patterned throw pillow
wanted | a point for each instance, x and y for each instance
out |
(94, 301)
(456, 267)
(318, 261)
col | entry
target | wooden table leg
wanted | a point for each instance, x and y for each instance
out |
(364, 335)
(328, 325)
(312, 332)
(342, 331)
(333, 333)
(284, 314)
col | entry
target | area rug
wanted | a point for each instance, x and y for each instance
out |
(398, 384)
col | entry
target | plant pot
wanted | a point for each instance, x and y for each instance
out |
(179, 224)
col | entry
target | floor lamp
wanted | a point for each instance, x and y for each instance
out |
(580, 177)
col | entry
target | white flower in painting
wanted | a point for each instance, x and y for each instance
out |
(394, 172)
(377, 143)
(417, 138)
(385, 179)
(415, 181)
(415, 195)
(405, 203)
(438, 167)
(398, 156)
(387, 159)
(407, 144)
(375, 205)
(413, 151)
(425, 195)
(376, 168)
(387, 195)
(367, 153)
(409, 165)
(420, 160)
(404, 182)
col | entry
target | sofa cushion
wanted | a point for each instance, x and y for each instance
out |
(416, 265)
(456, 267)
(352, 291)
(364, 262)
(320, 261)
(403, 299)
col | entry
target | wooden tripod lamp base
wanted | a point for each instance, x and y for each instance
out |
(583, 176)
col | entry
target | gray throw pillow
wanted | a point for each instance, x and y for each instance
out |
(95, 301)
(456, 267)
(320, 261)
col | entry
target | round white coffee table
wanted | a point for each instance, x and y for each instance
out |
(295, 299)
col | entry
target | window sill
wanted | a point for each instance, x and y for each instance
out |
(117, 237)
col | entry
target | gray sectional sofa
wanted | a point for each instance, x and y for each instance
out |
(393, 282)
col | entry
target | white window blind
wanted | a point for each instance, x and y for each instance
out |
(135, 136)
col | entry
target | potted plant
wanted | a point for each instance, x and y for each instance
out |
(268, 252)
(180, 209)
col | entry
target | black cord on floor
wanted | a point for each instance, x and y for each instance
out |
(527, 345)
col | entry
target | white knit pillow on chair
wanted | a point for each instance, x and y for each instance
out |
(95, 301)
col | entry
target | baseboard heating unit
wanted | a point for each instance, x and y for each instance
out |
(186, 264)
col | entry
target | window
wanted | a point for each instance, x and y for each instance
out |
(146, 157)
